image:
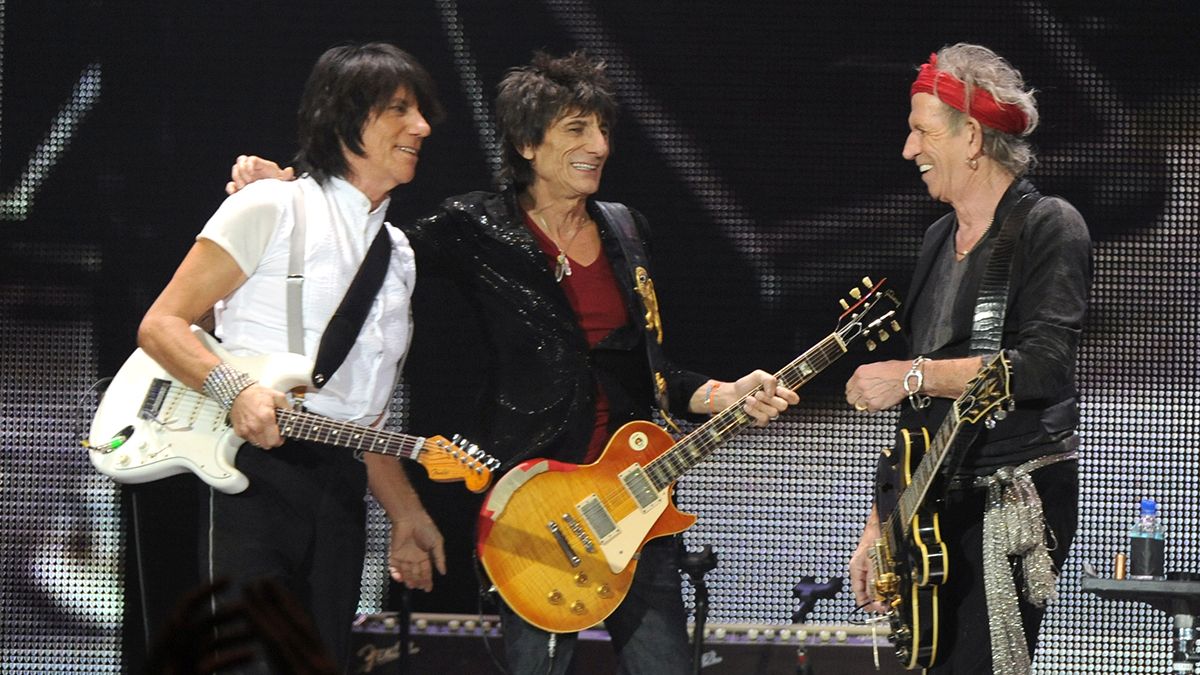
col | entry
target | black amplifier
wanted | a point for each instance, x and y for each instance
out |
(470, 644)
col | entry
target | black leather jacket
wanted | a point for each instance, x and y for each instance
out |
(540, 394)
(1047, 302)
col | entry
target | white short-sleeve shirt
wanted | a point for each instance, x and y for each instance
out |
(255, 225)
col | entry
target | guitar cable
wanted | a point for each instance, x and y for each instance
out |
(485, 595)
(86, 442)
(117, 441)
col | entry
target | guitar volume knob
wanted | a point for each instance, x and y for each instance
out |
(578, 607)
(555, 597)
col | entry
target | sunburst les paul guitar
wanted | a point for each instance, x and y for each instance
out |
(560, 541)
(909, 558)
(149, 425)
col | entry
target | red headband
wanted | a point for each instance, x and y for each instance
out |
(984, 107)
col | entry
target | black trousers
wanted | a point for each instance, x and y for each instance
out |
(967, 643)
(301, 523)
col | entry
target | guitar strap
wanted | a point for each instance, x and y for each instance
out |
(621, 219)
(988, 331)
(346, 322)
(1013, 523)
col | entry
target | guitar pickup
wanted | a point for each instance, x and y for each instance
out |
(598, 518)
(155, 396)
(640, 487)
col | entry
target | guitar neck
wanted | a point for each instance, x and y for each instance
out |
(306, 426)
(946, 438)
(699, 444)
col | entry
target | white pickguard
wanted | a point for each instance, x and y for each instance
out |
(621, 546)
(190, 433)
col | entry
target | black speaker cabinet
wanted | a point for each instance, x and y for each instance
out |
(445, 644)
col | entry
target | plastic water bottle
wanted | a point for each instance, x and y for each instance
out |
(1146, 544)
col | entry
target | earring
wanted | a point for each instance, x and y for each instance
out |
(973, 163)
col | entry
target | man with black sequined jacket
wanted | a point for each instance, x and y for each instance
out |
(564, 288)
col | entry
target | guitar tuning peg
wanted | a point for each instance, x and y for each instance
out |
(843, 303)
(855, 293)
(1010, 405)
(868, 283)
(884, 335)
(871, 345)
(1000, 414)
(990, 422)
(895, 326)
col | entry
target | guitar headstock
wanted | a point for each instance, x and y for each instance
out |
(987, 394)
(458, 459)
(869, 313)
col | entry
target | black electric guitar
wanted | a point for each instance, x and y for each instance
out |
(560, 541)
(910, 558)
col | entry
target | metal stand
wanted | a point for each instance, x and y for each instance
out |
(405, 629)
(1177, 595)
(808, 591)
(696, 565)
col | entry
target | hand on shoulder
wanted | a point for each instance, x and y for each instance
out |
(249, 168)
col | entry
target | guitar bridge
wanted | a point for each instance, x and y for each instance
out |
(575, 527)
(887, 582)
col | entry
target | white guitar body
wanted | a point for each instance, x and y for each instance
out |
(149, 425)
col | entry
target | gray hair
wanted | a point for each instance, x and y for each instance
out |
(978, 66)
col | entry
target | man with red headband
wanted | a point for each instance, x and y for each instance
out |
(1006, 270)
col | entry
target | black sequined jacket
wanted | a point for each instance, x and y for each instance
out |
(540, 394)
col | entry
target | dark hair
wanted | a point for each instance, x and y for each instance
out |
(531, 98)
(346, 85)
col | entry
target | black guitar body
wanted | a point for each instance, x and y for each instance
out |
(910, 558)
(922, 567)
(916, 621)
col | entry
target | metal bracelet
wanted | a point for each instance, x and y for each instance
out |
(224, 383)
(916, 374)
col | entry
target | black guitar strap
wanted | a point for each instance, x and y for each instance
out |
(621, 219)
(990, 308)
(347, 321)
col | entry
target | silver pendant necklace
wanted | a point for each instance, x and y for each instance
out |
(562, 267)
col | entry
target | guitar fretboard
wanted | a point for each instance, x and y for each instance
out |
(307, 426)
(699, 444)
(985, 391)
(914, 495)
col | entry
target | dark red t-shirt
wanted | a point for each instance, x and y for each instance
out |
(599, 308)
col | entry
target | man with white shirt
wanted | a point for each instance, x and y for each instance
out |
(301, 521)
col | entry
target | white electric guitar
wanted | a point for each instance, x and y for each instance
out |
(150, 425)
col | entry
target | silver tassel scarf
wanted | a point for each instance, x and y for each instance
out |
(1014, 525)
